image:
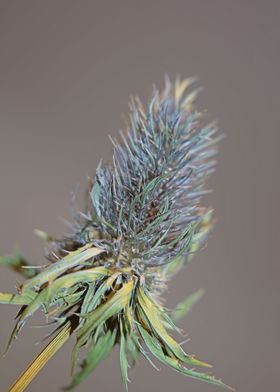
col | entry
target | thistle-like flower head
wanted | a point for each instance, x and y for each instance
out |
(144, 221)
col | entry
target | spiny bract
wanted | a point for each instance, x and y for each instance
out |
(144, 222)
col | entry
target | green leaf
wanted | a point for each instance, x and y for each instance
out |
(17, 299)
(26, 313)
(85, 276)
(151, 316)
(174, 266)
(157, 351)
(88, 298)
(123, 357)
(67, 301)
(47, 296)
(204, 227)
(133, 347)
(93, 319)
(115, 304)
(184, 307)
(97, 354)
(95, 297)
(18, 263)
(70, 261)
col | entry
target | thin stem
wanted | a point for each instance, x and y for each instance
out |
(38, 363)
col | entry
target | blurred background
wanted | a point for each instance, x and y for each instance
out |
(67, 69)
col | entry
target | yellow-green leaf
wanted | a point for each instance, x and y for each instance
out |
(184, 307)
(17, 299)
(54, 270)
(93, 319)
(153, 319)
(157, 351)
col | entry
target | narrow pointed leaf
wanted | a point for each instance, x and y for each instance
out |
(110, 308)
(17, 299)
(184, 307)
(123, 358)
(151, 315)
(157, 351)
(97, 354)
(71, 260)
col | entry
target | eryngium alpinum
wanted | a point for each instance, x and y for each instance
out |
(104, 282)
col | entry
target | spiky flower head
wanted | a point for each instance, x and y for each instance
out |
(145, 221)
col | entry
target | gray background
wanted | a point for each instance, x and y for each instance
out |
(67, 69)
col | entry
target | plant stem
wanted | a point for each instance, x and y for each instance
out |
(38, 363)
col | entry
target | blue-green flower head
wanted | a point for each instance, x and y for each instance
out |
(147, 201)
